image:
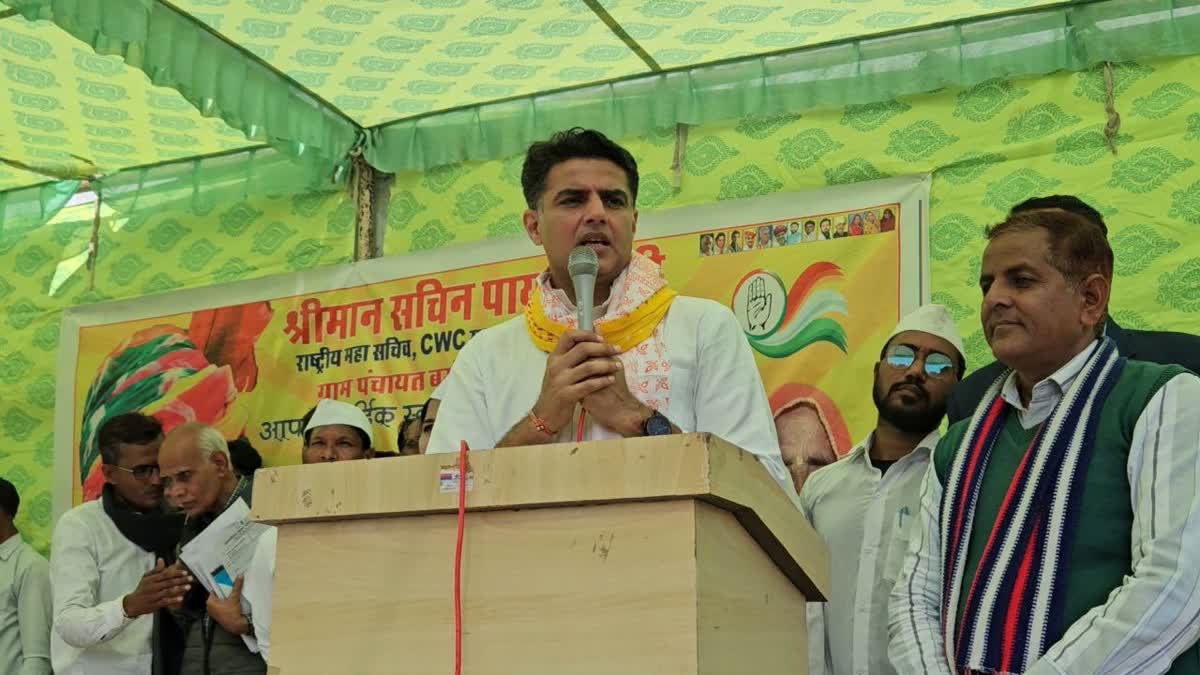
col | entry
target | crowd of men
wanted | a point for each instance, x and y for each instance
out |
(1053, 528)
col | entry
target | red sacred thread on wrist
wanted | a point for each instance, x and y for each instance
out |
(540, 425)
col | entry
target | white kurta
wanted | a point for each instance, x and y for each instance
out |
(92, 567)
(714, 385)
(864, 516)
(257, 587)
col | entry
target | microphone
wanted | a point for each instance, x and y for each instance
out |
(583, 266)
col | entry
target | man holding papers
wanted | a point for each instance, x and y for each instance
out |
(657, 362)
(199, 479)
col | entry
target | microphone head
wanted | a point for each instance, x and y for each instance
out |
(582, 261)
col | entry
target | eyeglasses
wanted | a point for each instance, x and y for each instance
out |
(902, 357)
(141, 471)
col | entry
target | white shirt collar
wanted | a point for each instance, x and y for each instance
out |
(10, 546)
(862, 452)
(1050, 390)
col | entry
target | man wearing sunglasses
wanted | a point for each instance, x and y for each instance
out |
(864, 504)
(110, 584)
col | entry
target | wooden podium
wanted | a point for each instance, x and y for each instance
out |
(675, 554)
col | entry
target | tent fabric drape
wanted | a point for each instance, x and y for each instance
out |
(871, 70)
(216, 77)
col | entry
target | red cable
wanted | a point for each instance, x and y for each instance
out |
(458, 549)
(579, 430)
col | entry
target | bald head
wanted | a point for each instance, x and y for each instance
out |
(197, 475)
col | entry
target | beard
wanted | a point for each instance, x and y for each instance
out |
(921, 417)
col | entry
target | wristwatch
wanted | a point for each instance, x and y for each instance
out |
(656, 425)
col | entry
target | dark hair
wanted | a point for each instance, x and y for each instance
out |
(1068, 203)
(401, 440)
(244, 457)
(1077, 247)
(962, 360)
(425, 408)
(826, 220)
(132, 428)
(10, 501)
(810, 222)
(362, 435)
(574, 143)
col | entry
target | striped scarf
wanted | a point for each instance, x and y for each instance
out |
(1014, 606)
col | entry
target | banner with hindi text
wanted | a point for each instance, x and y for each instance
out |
(817, 280)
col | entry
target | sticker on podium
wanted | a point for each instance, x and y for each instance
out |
(448, 479)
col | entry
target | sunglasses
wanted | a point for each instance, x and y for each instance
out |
(902, 357)
(141, 471)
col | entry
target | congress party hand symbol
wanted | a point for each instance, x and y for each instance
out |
(758, 308)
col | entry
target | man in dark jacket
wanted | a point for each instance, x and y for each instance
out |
(198, 477)
(1144, 345)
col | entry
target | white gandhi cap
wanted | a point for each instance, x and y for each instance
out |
(932, 319)
(338, 412)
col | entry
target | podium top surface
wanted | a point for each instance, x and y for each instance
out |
(685, 466)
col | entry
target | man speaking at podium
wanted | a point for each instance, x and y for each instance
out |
(657, 363)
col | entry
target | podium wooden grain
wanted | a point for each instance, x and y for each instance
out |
(673, 554)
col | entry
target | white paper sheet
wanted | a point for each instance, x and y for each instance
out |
(223, 552)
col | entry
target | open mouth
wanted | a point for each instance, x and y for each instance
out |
(597, 241)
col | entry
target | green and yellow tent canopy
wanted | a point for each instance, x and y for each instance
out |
(97, 88)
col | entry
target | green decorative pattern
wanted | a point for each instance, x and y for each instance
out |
(862, 73)
(384, 61)
(169, 247)
(213, 76)
(988, 147)
(721, 30)
(64, 104)
(436, 78)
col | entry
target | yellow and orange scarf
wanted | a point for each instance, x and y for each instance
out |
(638, 304)
(630, 320)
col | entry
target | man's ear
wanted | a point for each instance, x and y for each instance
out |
(1094, 291)
(107, 472)
(221, 461)
(532, 226)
